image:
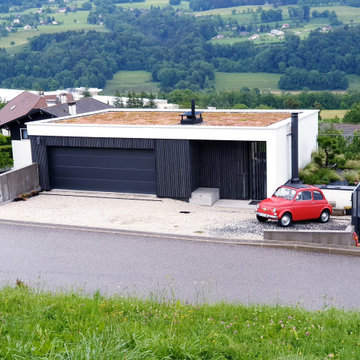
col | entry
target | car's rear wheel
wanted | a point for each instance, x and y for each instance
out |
(325, 216)
(261, 218)
(285, 220)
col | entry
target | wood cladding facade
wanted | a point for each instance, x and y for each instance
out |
(237, 168)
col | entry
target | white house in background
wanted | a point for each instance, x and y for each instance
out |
(276, 32)
(246, 154)
(254, 37)
(159, 103)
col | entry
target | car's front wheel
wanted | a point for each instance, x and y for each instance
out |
(285, 220)
(325, 216)
(261, 218)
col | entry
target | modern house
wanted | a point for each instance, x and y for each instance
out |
(27, 107)
(245, 154)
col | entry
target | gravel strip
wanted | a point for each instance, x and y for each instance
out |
(253, 229)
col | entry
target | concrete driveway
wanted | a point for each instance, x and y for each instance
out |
(226, 219)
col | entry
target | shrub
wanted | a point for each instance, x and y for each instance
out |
(340, 161)
(352, 164)
(353, 116)
(5, 158)
(5, 140)
(352, 176)
(319, 175)
(318, 157)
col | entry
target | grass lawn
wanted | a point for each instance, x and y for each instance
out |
(38, 325)
(236, 81)
(125, 81)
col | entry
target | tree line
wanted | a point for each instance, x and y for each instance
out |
(254, 98)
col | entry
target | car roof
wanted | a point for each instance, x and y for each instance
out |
(299, 186)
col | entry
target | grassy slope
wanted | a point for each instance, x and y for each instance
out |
(346, 14)
(125, 81)
(48, 326)
(156, 3)
(235, 81)
(67, 23)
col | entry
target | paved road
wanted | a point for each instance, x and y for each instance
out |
(54, 258)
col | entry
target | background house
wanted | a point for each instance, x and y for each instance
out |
(246, 154)
(27, 107)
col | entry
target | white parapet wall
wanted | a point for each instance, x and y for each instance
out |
(339, 196)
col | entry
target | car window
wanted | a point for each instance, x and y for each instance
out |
(303, 196)
(285, 193)
(318, 195)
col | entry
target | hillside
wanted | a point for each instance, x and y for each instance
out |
(174, 46)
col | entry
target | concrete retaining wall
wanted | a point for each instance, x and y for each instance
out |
(16, 182)
(343, 238)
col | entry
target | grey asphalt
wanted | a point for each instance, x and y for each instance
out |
(54, 257)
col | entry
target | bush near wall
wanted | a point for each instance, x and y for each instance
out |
(6, 158)
(336, 161)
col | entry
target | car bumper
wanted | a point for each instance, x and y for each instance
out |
(268, 216)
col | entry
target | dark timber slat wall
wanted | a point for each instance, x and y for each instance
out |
(173, 168)
(258, 170)
(237, 168)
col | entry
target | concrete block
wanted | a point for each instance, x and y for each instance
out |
(17, 182)
(205, 196)
(330, 237)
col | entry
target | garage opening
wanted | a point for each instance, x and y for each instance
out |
(237, 168)
(100, 169)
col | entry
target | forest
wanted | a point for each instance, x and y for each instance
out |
(175, 48)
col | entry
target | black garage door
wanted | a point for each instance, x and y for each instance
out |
(115, 170)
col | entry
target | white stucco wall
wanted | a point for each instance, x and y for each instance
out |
(308, 132)
(278, 157)
(276, 136)
(21, 153)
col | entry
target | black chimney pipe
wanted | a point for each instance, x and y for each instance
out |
(294, 149)
(193, 108)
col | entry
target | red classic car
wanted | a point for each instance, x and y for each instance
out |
(294, 202)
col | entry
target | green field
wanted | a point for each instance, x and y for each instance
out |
(354, 82)
(236, 81)
(125, 81)
(147, 4)
(138, 81)
(70, 21)
(331, 114)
